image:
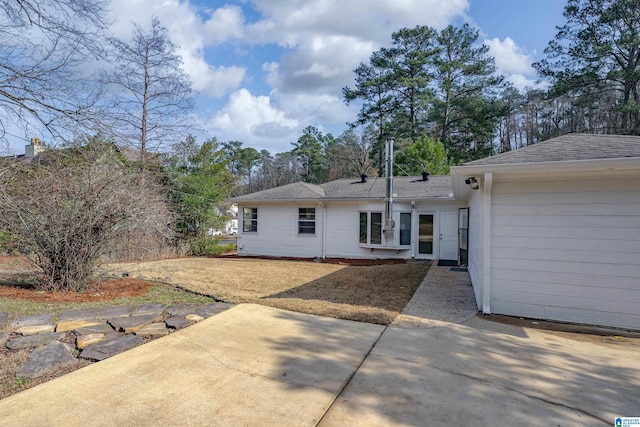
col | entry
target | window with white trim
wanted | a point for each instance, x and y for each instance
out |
(306, 220)
(250, 220)
(371, 228)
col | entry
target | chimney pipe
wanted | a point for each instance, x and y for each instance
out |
(425, 176)
(363, 178)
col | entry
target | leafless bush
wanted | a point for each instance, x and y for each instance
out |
(67, 208)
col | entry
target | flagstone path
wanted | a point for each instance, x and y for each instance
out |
(96, 334)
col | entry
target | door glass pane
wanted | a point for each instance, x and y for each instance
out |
(425, 234)
(405, 228)
(376, 228)
(363, 227)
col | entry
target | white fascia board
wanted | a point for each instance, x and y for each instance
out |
(545, 167)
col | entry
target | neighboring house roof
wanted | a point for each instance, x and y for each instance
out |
(573, 146)
(404, 187)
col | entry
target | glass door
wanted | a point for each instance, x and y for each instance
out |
(425, 234)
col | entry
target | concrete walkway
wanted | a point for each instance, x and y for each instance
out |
(254, 365)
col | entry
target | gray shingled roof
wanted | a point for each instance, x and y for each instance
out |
(350, 189)
(573, 146)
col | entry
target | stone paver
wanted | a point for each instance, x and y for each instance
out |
(213, 308)
(47, 359)
(4, 317)
(177, 322)
(34, 341)
(110, 347)
(133, 323)
(106, 313)
(35, 320)
(149, 310)
(71, 325)
(95, 335)
(183, 309)
(153, 330)
(86, 340)
(102, 328)
(78, 314)
(36, 329)
(194, 317)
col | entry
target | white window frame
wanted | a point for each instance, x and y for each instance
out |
(369, 225)
(253, 221)
(301, 220)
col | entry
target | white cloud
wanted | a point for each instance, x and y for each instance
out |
(509, 57)
(512, 62)
(255, 121)
(327, 39)
(191, 33)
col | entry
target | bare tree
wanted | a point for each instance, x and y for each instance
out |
(43, 43)
(67, 206)
(152, 95)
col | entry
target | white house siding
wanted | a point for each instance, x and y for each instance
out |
(343, 230)
(566, 250)
(474, 245)
(278, 232)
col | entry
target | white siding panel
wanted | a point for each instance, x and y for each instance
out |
(540, 221)
(518, 287)
(278, 233)
(583, 256)
(566, 279)
(567, 250)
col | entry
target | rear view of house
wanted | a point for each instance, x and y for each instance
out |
(347, 218)
(549, 231)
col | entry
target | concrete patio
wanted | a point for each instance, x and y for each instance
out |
(255, 365)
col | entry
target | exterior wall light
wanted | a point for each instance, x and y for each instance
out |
(472, 181)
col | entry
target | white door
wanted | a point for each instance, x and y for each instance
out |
(448, 225)
(425, 235)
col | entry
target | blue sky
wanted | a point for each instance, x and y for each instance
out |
(266, 69)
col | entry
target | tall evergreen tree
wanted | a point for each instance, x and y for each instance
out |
(596, 51)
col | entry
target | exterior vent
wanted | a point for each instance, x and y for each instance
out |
(425, 176)
(363, 178)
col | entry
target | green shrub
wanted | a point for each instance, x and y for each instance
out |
(207, 245)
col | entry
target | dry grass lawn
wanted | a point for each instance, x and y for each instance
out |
(373, 294)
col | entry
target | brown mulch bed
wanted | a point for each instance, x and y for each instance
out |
(104, 290)
(338, 261)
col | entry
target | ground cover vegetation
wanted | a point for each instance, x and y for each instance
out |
(435, 92)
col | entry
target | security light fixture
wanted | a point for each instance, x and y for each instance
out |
(472, 181)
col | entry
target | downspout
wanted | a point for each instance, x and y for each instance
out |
(324, 231)
(413, 216)
(486, 243)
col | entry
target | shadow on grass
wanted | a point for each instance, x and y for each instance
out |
(375, 294)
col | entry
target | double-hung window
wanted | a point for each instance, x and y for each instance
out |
(307, 221)
(250, 220)
(371, 228)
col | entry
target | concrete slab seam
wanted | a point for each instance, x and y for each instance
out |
(355, 371)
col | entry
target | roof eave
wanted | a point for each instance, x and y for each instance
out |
(552, 166)
(460, 173)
